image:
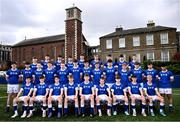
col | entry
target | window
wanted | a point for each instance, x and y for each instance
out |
(71, 13)
(164, 38)
(121, 42)
(138, 57)
(136, 41)
(149, 39)
(165, 55)
(109, 44)
(150, 56)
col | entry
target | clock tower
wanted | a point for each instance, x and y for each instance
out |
(73, 33)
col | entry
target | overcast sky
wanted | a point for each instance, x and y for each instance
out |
(36, 18)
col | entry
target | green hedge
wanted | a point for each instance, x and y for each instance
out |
(173, 66)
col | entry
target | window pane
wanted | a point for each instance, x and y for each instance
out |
(121, 42)
(164, 38)
(165, 55)
(136, 41)
(150, 56)
(138, 57)
(108, 44)
(149, 40)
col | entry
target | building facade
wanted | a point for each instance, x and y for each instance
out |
(157, 43)
(5, 54)
(72, 43)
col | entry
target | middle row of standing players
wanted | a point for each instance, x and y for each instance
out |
(78, 68)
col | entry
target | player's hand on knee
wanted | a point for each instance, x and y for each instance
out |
(132, 97)
(82, 96)
(97, 98)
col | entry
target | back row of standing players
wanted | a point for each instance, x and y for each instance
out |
(95, 69)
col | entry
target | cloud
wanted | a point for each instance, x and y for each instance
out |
(34, 18)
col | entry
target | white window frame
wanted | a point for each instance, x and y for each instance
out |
(162, 55)
(136, 41)
(164, 38)
(149, 39)
(148, 55)
(109, 44)
(122, 43)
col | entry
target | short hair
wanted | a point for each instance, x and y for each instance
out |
(28, 77)
(110, 61)
(70, 76)
(86, 61)
(137, 63)
(63, 61)
(34, 57)
(13, 62)
(47, 55)
(41, 77)
(59, 55)
(86, 75)
(163, 65)
(133, 76)
(102, 78)
(124, 63)
(118, 77)
(50, 62)
(82, 55)
(150, 63)
(69, 56)
(27, 63)
(75, 61)
(56, 77)
(109, 55)
(121, 55)
(97, 63)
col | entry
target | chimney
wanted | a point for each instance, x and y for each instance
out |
(150, 23)
(118, 29)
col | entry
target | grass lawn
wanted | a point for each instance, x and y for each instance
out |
(173, 116)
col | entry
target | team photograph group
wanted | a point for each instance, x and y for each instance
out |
(89, 88)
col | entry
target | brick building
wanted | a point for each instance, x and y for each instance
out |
(72, 43)
(5, 54)
(158, 43)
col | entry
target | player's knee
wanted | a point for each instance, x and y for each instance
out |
(14, 100)
(49, 99)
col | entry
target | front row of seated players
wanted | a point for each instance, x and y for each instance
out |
(88, 92)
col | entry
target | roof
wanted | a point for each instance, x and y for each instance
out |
(137, 31)
(41, 40)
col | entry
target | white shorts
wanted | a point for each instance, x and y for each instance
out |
(87, 97)
(154, 97)
(12, 88)
(137, 96)
(55, 98)
(103, 97)
(39, 98)
(119, 97)
(22, 98)
(71, 97)
(165, 90)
